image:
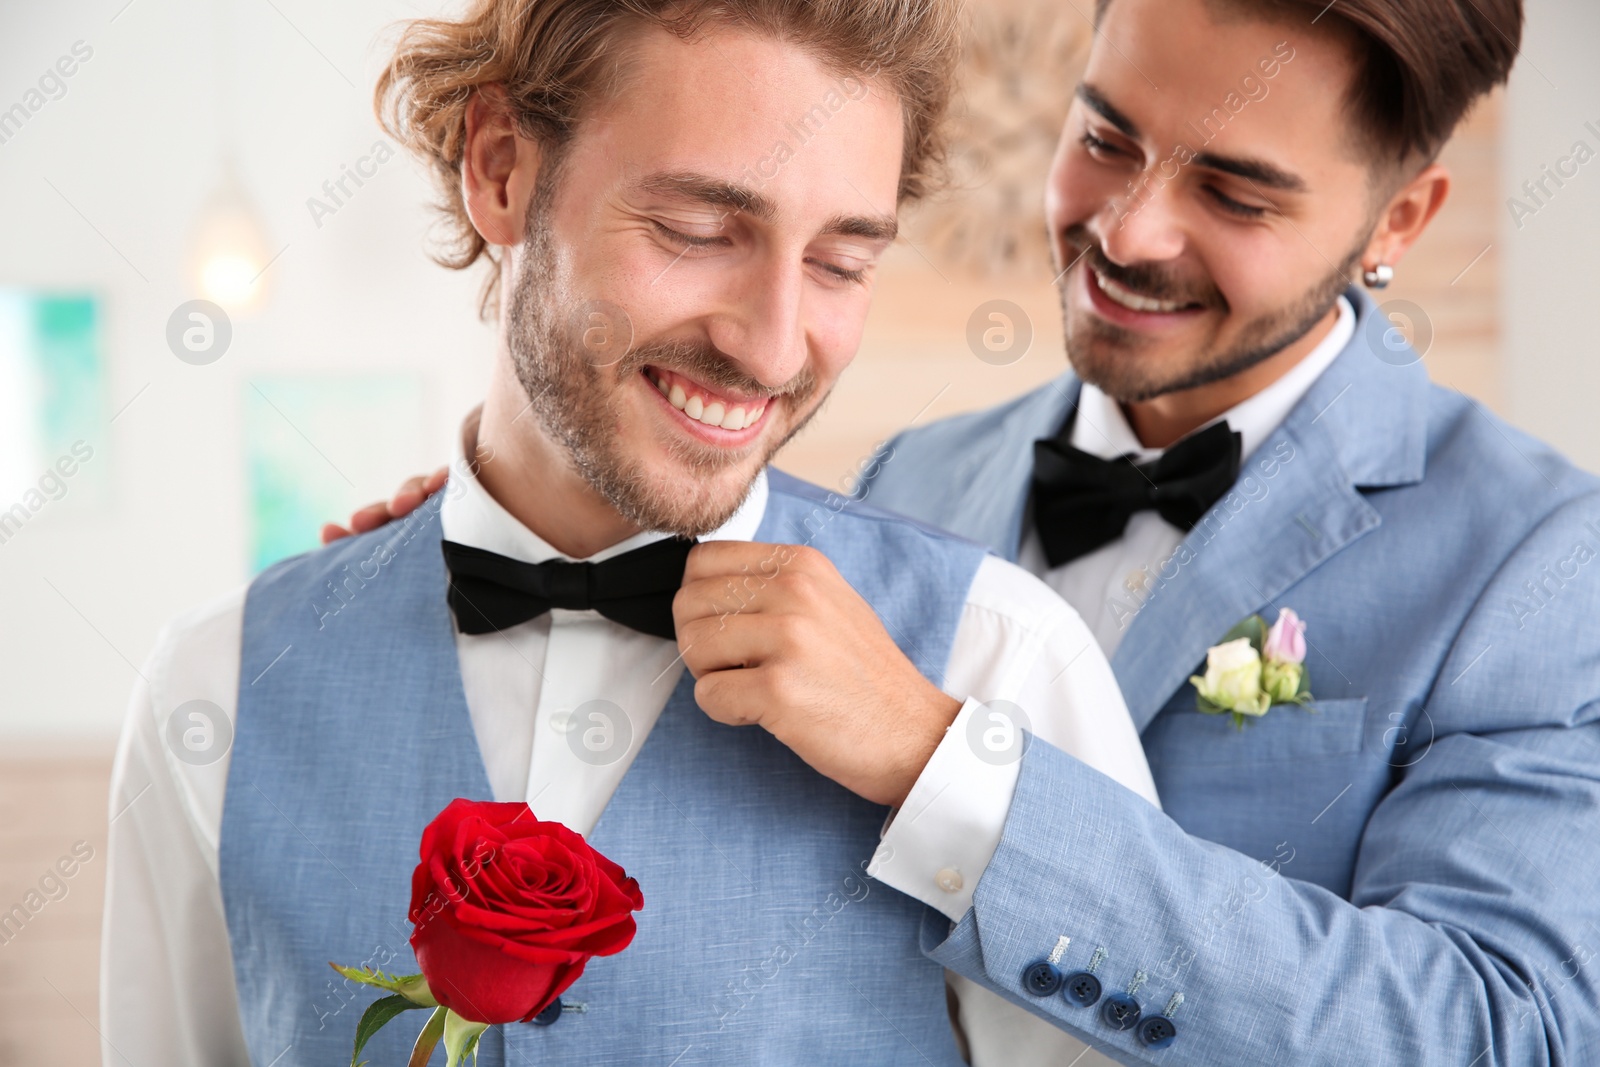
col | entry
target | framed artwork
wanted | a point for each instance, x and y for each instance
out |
(53, 426)
(315, 448)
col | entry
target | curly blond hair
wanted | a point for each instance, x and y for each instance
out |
(554, 58)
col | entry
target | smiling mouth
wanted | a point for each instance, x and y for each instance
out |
(1134, 301)
(704, 406)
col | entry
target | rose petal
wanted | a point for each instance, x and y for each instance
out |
(507, 909)
(485, 983)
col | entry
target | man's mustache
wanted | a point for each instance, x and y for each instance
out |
(1145, 279)
(712, 367)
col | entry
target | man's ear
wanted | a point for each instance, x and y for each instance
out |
(1406, 215)
(499, 168)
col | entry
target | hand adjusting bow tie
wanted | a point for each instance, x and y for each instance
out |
(1081, 502)
(490, 592)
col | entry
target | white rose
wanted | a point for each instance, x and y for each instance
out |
(1233, 678)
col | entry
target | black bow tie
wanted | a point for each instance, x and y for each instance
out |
(1081, 502)
(490, 592)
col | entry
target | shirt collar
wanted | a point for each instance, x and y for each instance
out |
(1101, 429)
(470, 516)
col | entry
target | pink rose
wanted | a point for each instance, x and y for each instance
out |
(1286, 641)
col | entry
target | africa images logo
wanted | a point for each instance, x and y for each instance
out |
(52, 85)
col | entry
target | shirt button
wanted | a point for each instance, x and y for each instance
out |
(561, 721)
(949, 879)
(1135, 581)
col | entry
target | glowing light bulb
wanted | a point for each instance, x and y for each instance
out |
(230, 251)
(229, 279)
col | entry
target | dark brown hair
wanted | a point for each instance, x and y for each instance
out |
(1420, 64)
(555, 58)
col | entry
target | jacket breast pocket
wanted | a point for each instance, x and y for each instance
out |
(1286, 733)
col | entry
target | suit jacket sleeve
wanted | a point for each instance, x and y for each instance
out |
(1470, 932)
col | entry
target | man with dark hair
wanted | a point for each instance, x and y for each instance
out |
(1387, 875)
(1392, 872)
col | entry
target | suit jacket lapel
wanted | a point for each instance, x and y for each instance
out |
(995, 482)
(1362, 425)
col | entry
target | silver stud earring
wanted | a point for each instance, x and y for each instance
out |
(1380, 277)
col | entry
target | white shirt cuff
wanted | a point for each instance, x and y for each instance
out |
(937, 846)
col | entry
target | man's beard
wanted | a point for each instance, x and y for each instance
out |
(1097, 359)
(578, 407)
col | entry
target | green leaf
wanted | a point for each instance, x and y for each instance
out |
(377, 1015)
(1255, 628)
(428, 1040)
(460, 1037)
(414, 987)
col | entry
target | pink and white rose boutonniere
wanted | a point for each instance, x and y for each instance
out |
(1254, 668)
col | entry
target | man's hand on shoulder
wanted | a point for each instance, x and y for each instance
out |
(776, 637)
(412, 492)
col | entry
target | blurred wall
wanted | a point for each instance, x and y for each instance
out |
(1551, 232)
(102, 188)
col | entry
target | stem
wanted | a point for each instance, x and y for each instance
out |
(428, 1040)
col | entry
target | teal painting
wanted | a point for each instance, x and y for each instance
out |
(53, 424)
(316, 448)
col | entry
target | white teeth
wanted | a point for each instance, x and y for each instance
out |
(1132, 300)
(715, 413)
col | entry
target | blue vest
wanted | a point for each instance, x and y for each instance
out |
(761, 939)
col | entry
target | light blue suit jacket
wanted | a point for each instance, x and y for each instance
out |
(1409, 874)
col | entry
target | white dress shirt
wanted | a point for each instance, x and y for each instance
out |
(1109, 585)
(167, 990)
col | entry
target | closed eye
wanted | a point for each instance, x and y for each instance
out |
(687, 239)
(854, 277)
(1098, 145)
(1234, 207)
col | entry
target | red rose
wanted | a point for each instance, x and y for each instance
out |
(508, 910)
